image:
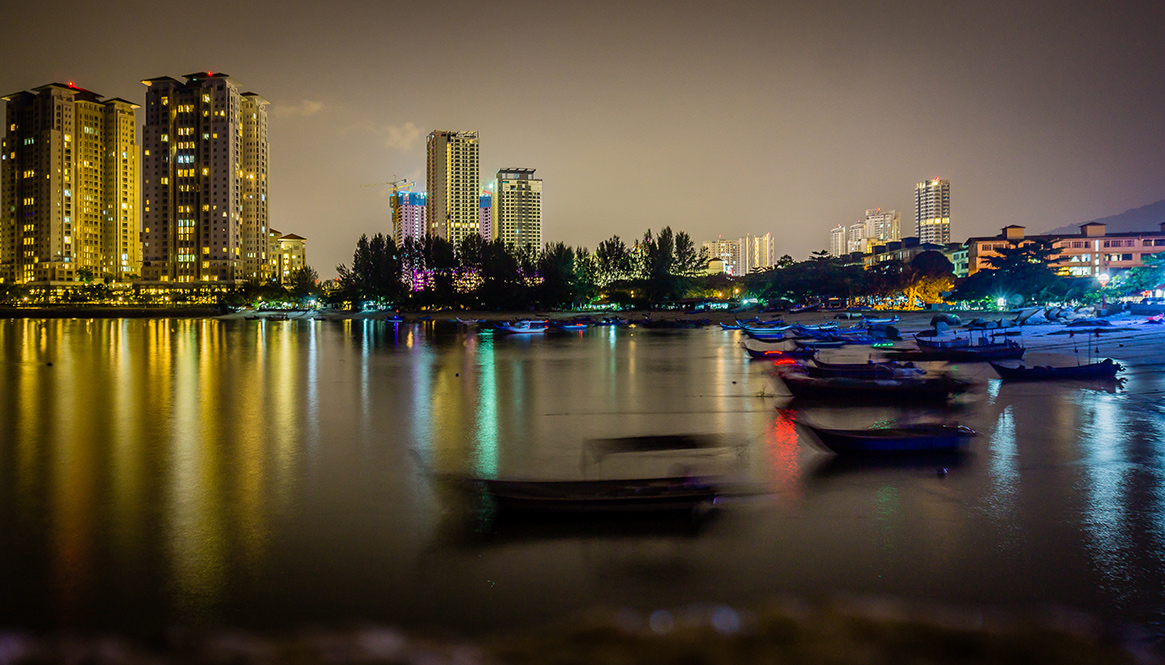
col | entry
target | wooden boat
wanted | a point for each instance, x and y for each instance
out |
(820, 343)
(468, 322)
(1004, 351)
(666, 494)
(1103, 370)
(780, 354)
(523, 326)
(569, 325)
(841, 388)
(911, 438)
(881, 322)
(885, 369)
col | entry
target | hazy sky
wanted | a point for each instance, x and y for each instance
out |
(718, 118)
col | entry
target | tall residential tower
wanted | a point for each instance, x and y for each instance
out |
(70, 181)
(517, 208)
(932, 211)
(452, 178)
(204, 184)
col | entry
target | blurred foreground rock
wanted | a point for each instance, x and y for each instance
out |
(866, 632)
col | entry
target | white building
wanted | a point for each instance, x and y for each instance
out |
(837, 241)
(883, 226)
(756, 253)
(728, 251)
(932, 211)
(517, 208)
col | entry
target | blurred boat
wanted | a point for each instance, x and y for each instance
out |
(759, 350)
(523, 326)
(679, 493)
(1007, 350)
(1103, 370)
(884, 369)
(910, 438)
(569, 325)
(843, 388)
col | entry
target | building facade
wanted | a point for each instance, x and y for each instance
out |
(932, 211)
(485, 216)
(727, 251)
(883, 226)
(288, 253)
(517, 208)
(70, 180)
(856, 238)
(410, 214)
(204, 185)
(756, 253)
(1090, 253)
(837, 241)
(452, 179)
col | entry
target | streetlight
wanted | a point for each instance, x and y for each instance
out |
(1103, 279)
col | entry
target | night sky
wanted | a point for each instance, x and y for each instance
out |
(714, 118)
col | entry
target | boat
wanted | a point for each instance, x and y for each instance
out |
(868, 370)
(881, 322)
(1008, 350)
(820, 343)
(780, 354)
(899, 389)
(1103, 370)
(468, 322)
(909, 438)
(523, 326)
(666, 494)
(569, 325)
(804, 308)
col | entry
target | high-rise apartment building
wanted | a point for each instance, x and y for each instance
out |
(409, 215)
(883, 226)
(517, 208)
(932, 211)
(485, 216)
(70, 180)
(453, 181)
(756, 253)
(204, 185)
(727, 251)
(837, 241)
(856, 238)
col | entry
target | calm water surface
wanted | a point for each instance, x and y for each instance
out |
(274, 474)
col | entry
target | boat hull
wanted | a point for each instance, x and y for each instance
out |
(936, 389)
(921, 438)
(1101, 371)
(667, 494)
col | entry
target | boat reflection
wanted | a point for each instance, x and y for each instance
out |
(936, 463)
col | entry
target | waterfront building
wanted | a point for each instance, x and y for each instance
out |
(290, 254)
(756, 253)
(70, 180)
(409, 215)
(856, 238)
(517, 208)
(728, 251)
(904, 250)
(204, 185)
(883, 226)
(1090, 253)
(837, 241)
(453, 183)
(932, 211)
(485, 216)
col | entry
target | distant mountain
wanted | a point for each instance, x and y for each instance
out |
(1145, 218)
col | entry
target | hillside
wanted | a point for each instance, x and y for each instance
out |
(1145, 218)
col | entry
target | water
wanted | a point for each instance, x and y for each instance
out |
(273, 475)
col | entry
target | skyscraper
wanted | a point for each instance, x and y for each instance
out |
(856, 241)
(837, 241)
(204, 186)
(452, 178)
(409, 215)
(485, 215)
(883, 226)
(70, 181)
(727, 251)
(517, 208)
(756, 253)
(932, 211)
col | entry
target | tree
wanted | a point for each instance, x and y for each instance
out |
(927, 278)
(613, 261)
(1025, 268)
(1149, 276)
(556, 267)
(302, 283)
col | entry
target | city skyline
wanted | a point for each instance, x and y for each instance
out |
(730, 119)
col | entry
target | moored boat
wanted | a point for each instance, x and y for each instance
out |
(677, 493)
(1002, 351)
(887, 369)
(898, 389)
(1103, 370)
(523, 326)
(909, 438)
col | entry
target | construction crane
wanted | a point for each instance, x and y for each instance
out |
(397, 185)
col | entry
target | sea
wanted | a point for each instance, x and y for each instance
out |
(217, 474)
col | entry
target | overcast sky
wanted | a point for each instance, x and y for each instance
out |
(717, 118)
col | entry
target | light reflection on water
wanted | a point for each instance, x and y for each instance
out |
(273, 473)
